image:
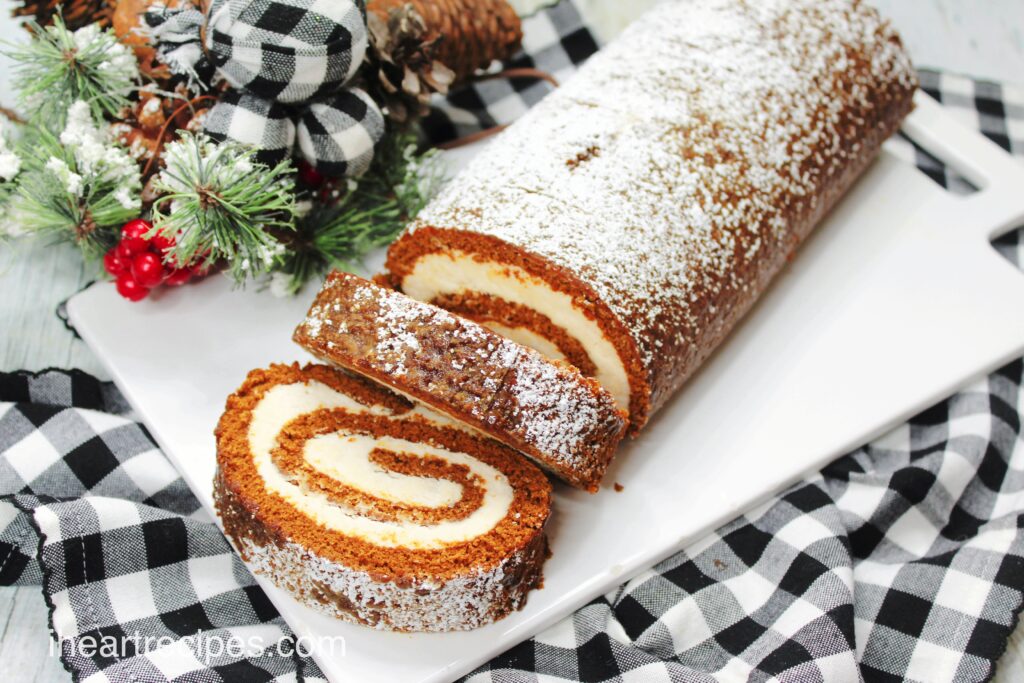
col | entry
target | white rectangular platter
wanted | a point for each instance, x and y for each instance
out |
(895, 301)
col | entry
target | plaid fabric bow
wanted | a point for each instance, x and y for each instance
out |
(287, 62)
(336, 135)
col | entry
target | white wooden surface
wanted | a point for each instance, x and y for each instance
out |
(983, 38)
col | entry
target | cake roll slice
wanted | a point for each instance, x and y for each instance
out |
(566, 422)
(631, 218)
(367, 508)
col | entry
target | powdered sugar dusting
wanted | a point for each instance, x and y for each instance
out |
(395, 338)
(686, 149)
(347, 570)
(550, 411)
(475, 598)
(554, 411)
(562, 414)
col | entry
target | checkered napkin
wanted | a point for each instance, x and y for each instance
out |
(902, 560)
(92, 511)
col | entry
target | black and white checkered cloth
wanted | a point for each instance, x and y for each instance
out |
(335, 134)
(555, 40)
(177, 35)
(264, 124)
(96, 514)
(283, 50)
(287, 62)
(286, 50)
(901, 561)
(338, 134)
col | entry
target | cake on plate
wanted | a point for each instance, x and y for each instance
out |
(558, 290)
(374, 510)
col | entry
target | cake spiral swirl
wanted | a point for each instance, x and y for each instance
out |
(368, 508)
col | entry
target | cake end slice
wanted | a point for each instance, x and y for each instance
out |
(565, 422)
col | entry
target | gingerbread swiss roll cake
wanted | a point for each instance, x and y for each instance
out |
(548, 410)
(375, 511)
(631, 218)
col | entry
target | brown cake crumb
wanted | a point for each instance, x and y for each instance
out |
(456, 586)
(566, 422)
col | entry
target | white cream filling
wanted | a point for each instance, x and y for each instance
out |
(346, 458)
(341, 457)
(526, 337)
(455, 272)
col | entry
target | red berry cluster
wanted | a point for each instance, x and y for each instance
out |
(309, 176)
(322, 187)
(139, 263)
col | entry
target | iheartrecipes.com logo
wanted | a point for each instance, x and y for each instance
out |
(201, 649)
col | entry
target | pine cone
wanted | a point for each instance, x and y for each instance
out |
(403, 70)
(141, 125)
(77, 13)
(471, 33)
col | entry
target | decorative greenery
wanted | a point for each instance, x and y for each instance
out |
(70, 177)
(218, 203)
(372, 211)
(10, 166)
(59, 67)
(81, 186)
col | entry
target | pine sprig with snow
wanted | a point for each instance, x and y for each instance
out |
(10, 167)
(59, 67)
(218, 203)
(81, 186)
(374, 209)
